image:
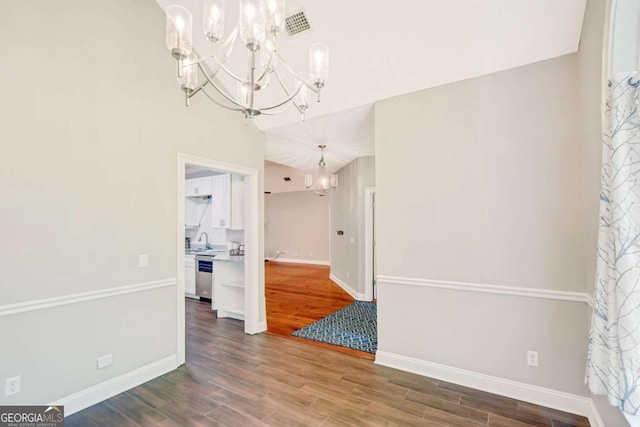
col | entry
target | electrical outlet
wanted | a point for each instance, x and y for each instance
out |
(532, 358)
(104, 361)
(12, 386)
(143, 260)
(352, 240)
(347, 274)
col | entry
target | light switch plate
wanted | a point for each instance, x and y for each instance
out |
(143, 260)
(104, 361)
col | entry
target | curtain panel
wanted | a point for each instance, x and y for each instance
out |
(613, 364)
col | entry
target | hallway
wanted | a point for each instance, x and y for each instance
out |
(299, 294)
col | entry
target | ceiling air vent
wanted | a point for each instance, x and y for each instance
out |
(296, 23)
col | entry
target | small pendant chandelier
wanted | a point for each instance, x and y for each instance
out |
(323, 185)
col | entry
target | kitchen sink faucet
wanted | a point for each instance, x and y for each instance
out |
(207, 245)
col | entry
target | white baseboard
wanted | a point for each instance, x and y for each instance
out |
(301, 261)
(594, 416)
(99, 392)
(572, 403)
(357, 295)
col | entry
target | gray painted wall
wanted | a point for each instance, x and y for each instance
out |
(92, 121)
(347, 214)
(496, 176)
(298, 223)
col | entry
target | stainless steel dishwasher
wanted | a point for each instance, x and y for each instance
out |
(204, 276)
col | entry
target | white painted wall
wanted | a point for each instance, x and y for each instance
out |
(92, 121)
(625, 36)
(298, 224)
(347, 214)
(483, 181)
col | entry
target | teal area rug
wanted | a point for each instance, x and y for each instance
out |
(354, 326)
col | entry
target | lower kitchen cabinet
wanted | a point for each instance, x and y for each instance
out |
(228, 289)
(190, 276)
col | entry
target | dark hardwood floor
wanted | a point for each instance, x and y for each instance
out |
(300, 294)
(233, 379)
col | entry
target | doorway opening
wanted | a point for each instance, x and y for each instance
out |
(206, 200)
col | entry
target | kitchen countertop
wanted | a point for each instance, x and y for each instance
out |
(228, 258)
(217, 254)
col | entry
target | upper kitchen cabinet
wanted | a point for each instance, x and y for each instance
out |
(237, 202)
(198, 187)
(227, 202)
(221, 205)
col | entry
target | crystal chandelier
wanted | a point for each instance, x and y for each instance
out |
(323, 185)
(259, 25)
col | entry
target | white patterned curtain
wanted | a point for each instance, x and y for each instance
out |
(613, 364)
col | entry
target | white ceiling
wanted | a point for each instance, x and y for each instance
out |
(347, 134)
(383, 49)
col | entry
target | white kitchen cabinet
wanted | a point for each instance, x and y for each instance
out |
(220, 201)
(228, 202)
(237, 202)
(198, 187)
(228, 289)
(190, 275)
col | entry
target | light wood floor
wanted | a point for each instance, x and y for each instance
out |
(233, 379)
(300, 294)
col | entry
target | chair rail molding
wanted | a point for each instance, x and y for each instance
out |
(41, 304)
(581, 297)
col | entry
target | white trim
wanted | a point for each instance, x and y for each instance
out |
(594, 416)
(590, 300)
(301, 261)
(357, 295)
(567, 402)
(261, 327)
(490, 289)
(633, 420)
(253, 303)
(23, 307)
(368, 242)
(104, 390)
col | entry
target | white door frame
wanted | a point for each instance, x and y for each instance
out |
(252, 300)
(368, 242)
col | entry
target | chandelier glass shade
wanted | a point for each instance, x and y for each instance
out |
(259, 25)
(323, 185)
